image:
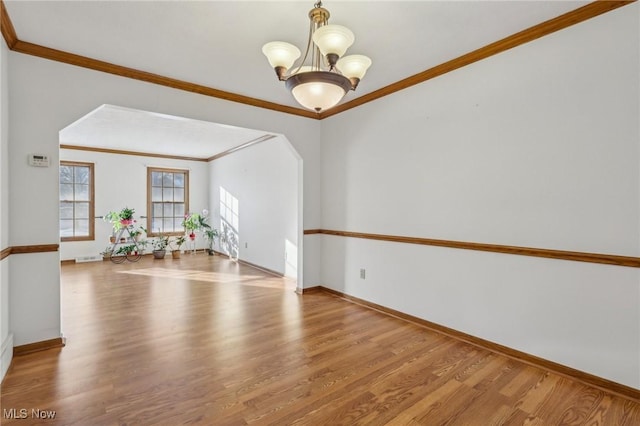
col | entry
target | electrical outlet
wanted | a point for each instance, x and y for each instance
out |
(362, 274)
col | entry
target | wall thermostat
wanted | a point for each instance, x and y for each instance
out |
(38, 160)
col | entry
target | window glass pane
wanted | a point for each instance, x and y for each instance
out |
(81, 174)
(156, 178)
(156, 193)
(179, 210)
(167, 194)
(156, 225)
(178, 194)
(168, 224)
(66, 191)
(167, 210)
(82, 211)
(178, 180)
(66, 174)
(66, 210)
(82, 227)
(167, 179)
(177, 224)
(82, 192)
(157, 210)
(66, 228)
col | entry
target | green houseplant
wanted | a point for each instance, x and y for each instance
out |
(142, 245)
(128, 249)
(175, 244)
(211, 234)
(120, 219)
(191, 223)
(106, 254)
(136, 232)
(160, 246)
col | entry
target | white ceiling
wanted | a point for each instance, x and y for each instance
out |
(218, 43)
(125, 129)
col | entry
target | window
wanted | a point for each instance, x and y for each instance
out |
(76, 201)
(167, 200)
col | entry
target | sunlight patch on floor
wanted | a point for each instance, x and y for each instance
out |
(210, 276)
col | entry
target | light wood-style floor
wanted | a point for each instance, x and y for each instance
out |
(203, 340)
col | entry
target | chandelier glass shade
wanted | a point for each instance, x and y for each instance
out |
(323, 83)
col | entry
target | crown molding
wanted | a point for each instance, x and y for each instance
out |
(568, 19)
(6, 26)
(255, 141)
(126, 152)
(252, 142)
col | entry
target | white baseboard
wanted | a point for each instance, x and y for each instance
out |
(6, 355)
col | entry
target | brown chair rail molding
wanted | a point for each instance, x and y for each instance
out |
(37, 248)
(609, 259)
(5, 253)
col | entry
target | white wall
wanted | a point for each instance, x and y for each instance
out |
(264, 179)
(6, 338)
(535, 147)
(121, 180)
(47, 96)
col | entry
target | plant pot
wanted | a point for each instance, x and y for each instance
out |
(126, 222)
(112, 239)
(211, 252)
(192, 236)
(175, 254)
(159, 254)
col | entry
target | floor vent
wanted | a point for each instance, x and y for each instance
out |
(88, 259)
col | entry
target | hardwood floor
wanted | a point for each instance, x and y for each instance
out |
(203, 340)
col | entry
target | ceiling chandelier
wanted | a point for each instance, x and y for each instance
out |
(330, 75)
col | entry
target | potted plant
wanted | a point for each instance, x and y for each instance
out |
(160, 246)
(120, 219)
(191, 223)
(142, 245)
(106, 254)
(211, 234)
(127, 250)
(126, 216)
(114, 219)
(175, 246)
(136, 233)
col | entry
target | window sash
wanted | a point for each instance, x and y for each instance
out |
(76, 201)
(167, 200)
